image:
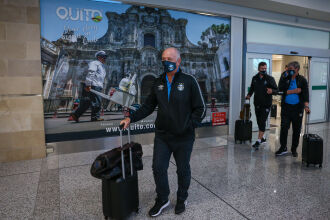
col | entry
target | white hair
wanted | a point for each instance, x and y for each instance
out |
(178, 55)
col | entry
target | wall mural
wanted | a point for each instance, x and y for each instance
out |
(133, 38)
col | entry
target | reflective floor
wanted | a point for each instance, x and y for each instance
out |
(229, 181)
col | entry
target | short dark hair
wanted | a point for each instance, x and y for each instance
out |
(261, 64)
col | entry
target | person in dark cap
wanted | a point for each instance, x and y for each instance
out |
(94, 80)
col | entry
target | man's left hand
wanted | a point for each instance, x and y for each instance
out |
(269, 91)
(307, 110)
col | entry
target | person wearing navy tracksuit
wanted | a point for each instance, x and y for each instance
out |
(181, 108)
(263, 86)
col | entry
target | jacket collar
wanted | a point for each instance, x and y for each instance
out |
(163, 76)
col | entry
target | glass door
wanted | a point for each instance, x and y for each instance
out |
(318, 87)
(252, 61)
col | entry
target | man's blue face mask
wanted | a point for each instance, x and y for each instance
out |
(168, 66)
(291, 72)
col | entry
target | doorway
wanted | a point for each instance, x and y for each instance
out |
(146, 86)
(314, 69)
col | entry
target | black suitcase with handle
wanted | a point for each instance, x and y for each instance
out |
(312, 149)
(120, 197)
(243, 128)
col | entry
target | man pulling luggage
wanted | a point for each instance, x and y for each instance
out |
(262, 86)
(180, 109)
(295, 99)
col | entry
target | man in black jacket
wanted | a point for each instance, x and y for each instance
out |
(180, 109)
(263, 86)
(295, 99)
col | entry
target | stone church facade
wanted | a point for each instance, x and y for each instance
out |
(134, 42)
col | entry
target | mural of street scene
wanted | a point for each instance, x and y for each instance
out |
(133, 38)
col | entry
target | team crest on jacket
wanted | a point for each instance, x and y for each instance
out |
(181, 87)
(160, 87)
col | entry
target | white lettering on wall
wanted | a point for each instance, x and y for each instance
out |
(77, 14)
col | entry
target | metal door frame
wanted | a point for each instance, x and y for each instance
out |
(310, 59)
(273, 49)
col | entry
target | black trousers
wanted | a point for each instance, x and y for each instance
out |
(262, 113)
(163, 149)
(92, 100)
(291, 114)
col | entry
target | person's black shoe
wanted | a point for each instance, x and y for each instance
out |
(74, 117)
(294, 152)
(263, 140)
(158, 207)
(180, 206)
(281, 151)
(256, 145)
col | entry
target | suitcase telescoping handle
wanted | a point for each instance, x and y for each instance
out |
(122, 151)
(307, 123)
(244, 109)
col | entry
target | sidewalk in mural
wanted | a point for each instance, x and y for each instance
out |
(62, 125)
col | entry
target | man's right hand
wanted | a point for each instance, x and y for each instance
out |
(247, 97)
(125, 122)
(294, 91)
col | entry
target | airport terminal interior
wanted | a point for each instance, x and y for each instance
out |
(72, 70)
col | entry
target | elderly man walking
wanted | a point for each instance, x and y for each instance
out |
(295, 100)
(180, 109)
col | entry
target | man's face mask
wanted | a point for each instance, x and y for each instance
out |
(291, 72)
(263, 72)
(168, 66)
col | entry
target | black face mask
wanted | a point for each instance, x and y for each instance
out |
(291, 72)
(263, 72)
(168, 66)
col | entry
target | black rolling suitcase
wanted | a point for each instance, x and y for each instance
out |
(120, 197)
(273, 111)
(243, 128)
(312, 149)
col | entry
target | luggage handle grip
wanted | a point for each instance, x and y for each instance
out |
(244, 112)
(121, 126)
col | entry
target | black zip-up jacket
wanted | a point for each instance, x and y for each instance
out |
(302, 83)
(183, 112)
(259, 88)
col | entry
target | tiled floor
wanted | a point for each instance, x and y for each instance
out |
(229, 181)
